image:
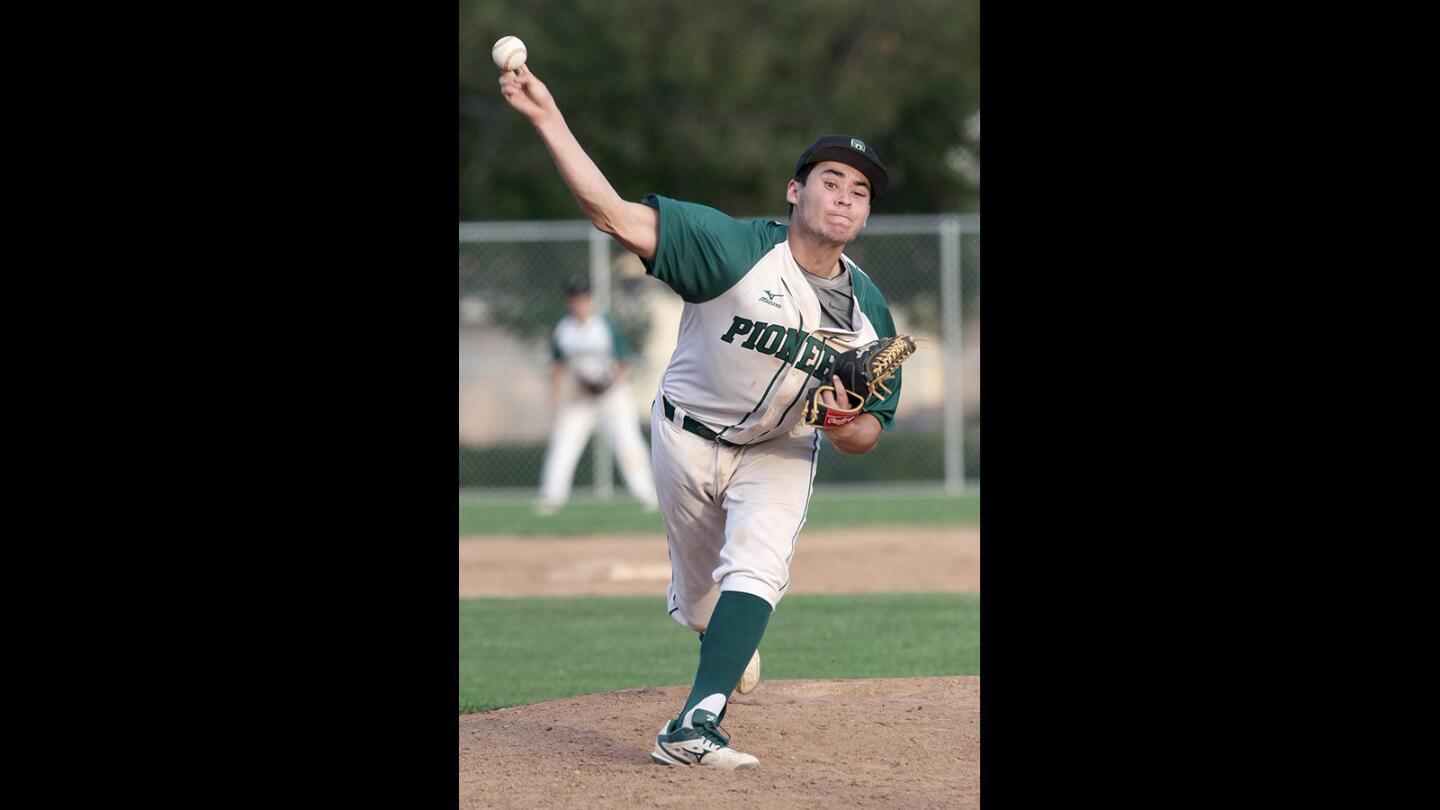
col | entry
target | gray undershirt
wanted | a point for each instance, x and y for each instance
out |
(835, 299)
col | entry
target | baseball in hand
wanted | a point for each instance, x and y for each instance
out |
(508, 53)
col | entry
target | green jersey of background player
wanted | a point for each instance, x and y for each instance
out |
(768, 306)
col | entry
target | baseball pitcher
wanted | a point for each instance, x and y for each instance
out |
(782, 340)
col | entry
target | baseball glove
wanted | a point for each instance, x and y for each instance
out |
(864, 372)
(595, 388)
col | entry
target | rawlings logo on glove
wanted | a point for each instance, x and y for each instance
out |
(863, 372)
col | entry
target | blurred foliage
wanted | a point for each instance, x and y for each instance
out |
(503, 275)
(713, 102)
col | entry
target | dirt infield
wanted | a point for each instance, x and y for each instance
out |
(850, 561)
(891, 742)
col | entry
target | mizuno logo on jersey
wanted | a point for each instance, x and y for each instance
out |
(788, 345)
(769, 298)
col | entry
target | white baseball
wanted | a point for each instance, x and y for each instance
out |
(508, 53)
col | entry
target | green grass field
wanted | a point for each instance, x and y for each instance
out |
(515, 651)
(514, 516)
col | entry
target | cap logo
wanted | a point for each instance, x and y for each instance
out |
(856, 143)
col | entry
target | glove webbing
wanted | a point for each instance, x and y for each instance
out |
(886, 363)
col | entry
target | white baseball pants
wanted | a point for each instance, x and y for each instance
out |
(732, 514)
(574, 424)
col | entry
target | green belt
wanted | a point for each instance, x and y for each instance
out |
(694, 427)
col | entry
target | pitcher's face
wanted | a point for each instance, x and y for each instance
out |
(833, 204)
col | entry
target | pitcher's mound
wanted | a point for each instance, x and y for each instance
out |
(892, 742)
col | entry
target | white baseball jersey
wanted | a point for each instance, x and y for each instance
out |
(751, 341)
(589, 348)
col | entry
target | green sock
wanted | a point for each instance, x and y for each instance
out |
(736, 627)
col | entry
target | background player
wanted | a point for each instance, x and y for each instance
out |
(768, 306)
(588, 384)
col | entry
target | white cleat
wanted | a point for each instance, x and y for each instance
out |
(750, 678)
(703, 745)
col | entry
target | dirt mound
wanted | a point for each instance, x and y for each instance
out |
(893, 742)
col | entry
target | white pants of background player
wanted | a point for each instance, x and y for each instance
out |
(573, 425)
(732, 514)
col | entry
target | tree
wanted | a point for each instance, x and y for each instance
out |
(714, 102)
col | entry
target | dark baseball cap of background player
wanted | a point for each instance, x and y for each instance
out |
(851, 151)
(577, 297)
(577, 285)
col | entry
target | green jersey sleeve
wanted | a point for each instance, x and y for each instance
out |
(703, 252)
(872, 303)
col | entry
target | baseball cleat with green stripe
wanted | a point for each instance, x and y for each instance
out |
(703, 744)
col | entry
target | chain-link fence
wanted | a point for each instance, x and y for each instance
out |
(511, 277)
